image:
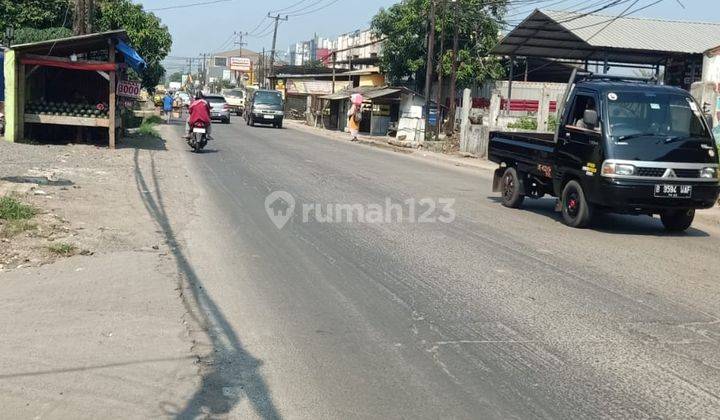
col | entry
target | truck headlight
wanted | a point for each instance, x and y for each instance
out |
(618, 169)
(708, 173)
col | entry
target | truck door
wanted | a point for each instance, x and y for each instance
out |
(579, 145)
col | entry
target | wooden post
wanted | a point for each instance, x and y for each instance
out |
(112, 101)
(334, 56)
(21, 101)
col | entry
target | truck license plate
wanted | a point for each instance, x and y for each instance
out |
(673, 191)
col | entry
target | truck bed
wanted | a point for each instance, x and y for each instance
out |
(528, 148)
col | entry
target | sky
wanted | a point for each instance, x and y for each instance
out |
(209, 28)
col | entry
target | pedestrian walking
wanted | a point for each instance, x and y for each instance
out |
(354, 118)
(168, 107)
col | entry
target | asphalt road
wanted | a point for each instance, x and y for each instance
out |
(498, 314)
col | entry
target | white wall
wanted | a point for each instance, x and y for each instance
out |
(711, 68)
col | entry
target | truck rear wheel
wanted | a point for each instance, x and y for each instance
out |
(510, 187)
(677, 220)
(576, 211)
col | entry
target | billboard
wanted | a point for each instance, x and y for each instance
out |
(240, 64)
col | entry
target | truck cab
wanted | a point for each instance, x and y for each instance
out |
(621, 146)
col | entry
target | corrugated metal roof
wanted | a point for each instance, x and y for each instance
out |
(380, 93)
(79, 42)
(580, 37)
(369, 92)
(639, 33)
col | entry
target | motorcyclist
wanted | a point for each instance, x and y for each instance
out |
(199, 113)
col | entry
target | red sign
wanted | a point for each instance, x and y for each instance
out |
(128, 88)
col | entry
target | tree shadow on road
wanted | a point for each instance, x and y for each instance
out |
(229, 372)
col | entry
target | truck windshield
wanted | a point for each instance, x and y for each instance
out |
(233, 93)
(268, 98)
(671, 116)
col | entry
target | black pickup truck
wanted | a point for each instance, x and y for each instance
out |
(622, 145)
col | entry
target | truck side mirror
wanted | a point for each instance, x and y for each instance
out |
(590, 118)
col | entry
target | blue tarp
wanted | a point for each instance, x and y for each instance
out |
(132, 58)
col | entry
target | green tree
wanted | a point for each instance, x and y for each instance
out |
(38, 14)
(26, 35)
(405, 29)
(175, 77)
(147, 34)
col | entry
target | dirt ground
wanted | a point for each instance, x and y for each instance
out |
(105, 328)
(81, 197)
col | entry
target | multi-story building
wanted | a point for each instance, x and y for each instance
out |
(306, 51)
(357, 50)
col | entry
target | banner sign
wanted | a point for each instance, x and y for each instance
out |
(128, 89)
(240, 64)
(314, 87)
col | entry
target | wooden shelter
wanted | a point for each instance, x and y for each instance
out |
(69, 71)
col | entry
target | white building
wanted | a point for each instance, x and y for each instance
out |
(360, 49)
(306, 51)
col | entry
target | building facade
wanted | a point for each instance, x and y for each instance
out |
(355, 50)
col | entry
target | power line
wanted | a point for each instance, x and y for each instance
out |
(314, 10)
(307, 6)
(264, 31)
(188, 5)
(289, 7)
(625, 13)
(252, 31)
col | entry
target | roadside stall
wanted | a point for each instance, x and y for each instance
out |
(382, 108)
(67, 89)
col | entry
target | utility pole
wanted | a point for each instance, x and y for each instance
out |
(272, 53)
(239, 42)
(204, 70)
(438, 98)
(429, 65)
(261, 70)
(453, 75)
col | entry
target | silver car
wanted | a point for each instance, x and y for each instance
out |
(219, 108)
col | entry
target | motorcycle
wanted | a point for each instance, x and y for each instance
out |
(198, 138)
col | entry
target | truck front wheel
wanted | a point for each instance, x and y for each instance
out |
(511, 196)
(677, 220)
(576, 211)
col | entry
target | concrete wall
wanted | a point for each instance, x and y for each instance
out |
(522, 90)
